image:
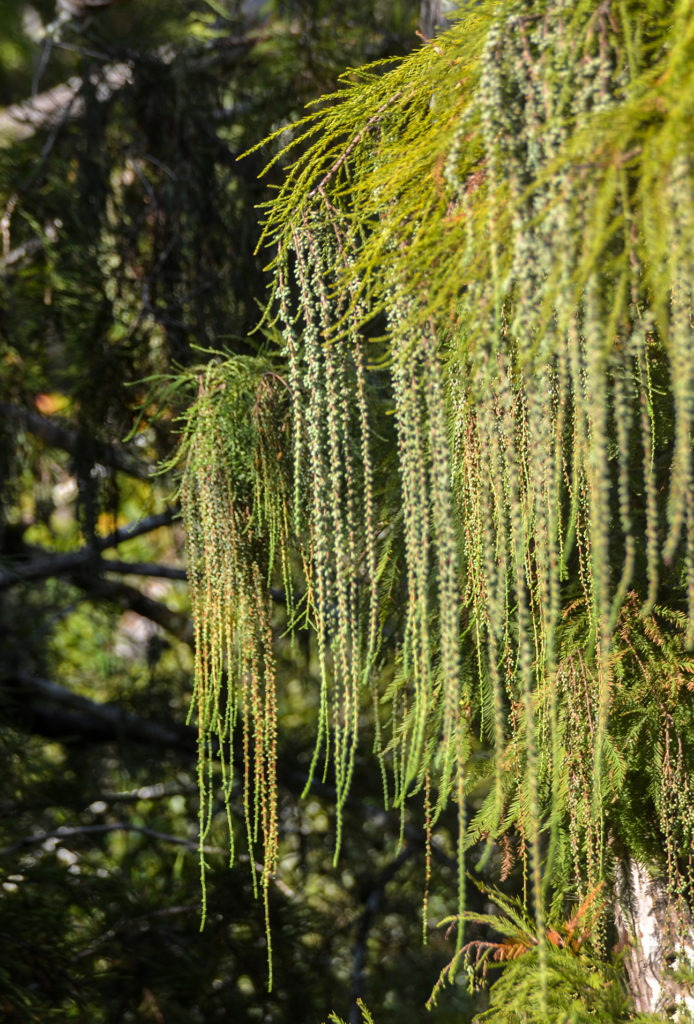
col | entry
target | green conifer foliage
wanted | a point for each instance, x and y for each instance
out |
(504, 223)
(235, 503)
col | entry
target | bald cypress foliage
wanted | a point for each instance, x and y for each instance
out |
(482, 440)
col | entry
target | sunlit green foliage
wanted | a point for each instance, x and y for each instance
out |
(482, 255)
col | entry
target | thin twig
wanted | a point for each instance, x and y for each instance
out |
(354, 142)
(65, 832)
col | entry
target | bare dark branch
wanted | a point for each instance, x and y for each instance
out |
(165, 572)
(52, 710)
(45, 565)
(64, 833)
(131, 599)
(57, 433)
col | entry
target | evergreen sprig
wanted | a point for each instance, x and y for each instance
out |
(502, 222)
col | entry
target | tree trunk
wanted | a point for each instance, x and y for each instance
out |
(659, 937)
(432, 16)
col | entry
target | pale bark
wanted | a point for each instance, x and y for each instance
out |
(433, 16)
(61, 103)
(657, 934)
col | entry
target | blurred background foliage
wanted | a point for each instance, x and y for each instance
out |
(127, 251)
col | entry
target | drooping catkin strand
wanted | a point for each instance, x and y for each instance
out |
(483, 284)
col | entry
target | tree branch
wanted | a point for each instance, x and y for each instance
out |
(56, 433)
(131, 599)
(62, 102)
(12, 258)
(164, 572)
(65, 832)
(157, 791)
(54, 711)
(46, 565)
